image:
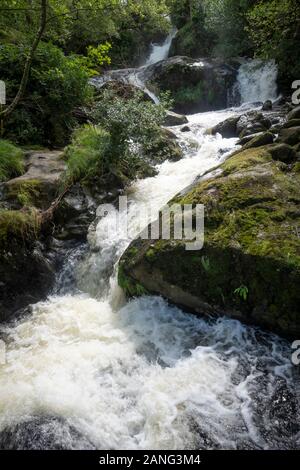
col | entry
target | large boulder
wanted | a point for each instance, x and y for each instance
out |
(227, 128)
(243, 126)
(294, 113)
(252, 123)
(41, 182)
(290, 136)
(249, 267)
(195, 86)
(265, 138)
(26, 272)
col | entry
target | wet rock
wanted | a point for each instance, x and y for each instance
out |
(252, 123)
(260, 140)
(41, 182)
(267, 106)
(174, 119)
(75, 214)
(290, 136)
(227, 128)
(249, 266)
(292, 123)
(294, 114)
(282, 152)
(195, 85)
(44, 433)
(27, 274)
(185, 129)
(247, 139)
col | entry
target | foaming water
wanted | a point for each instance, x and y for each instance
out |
(88, 370)
(257, 81)
(147, 376)
(161, 51)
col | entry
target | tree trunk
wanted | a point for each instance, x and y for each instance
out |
(43, 20)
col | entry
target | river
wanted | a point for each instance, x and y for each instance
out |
(88, 369)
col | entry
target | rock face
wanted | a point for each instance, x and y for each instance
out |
(249, 267)
(41, 182)
(243, 126)
(27, 268)
(195, 86)
(174, 119)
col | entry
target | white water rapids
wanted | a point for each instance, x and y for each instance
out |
(143, 374)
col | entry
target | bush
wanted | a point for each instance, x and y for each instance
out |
(20, 225)
(56, 86)
(87, 155)
(11, 160)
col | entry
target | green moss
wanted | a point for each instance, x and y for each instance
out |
(87, 152)
(18, 224)
(11, 160)
(189, 94)
(26, 192)
(250, 262)
(129, 286)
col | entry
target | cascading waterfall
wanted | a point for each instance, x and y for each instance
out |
(257, 81)
(90, 370)
(161, 52)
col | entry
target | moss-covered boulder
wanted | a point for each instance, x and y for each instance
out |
(41, 182)
(26, 274)
(11, 160)
(290, 136)
(195, 86)
(294, 113)
(249, 267)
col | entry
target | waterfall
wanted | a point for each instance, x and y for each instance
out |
(97, 371)
(161, 52)
(257, 81)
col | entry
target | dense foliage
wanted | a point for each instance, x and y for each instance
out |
(82, 37)
(57, 84)
(122, 143)
(226, 28)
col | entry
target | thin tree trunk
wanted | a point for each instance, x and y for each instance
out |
(43, 20)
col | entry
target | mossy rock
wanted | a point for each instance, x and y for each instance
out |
(194, 86)
(290, 136)
(294, 114)
(249, 267)
(18, 224)
(258, 141)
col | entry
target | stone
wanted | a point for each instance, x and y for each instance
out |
(41, 182)
(267, 106)
(260, 140)
(283, 152)
(294, 113)
(249, 266)
(174, 119)
(227, 128)
(290, 136)
(195, 86)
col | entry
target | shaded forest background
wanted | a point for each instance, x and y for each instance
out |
(83, 38)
